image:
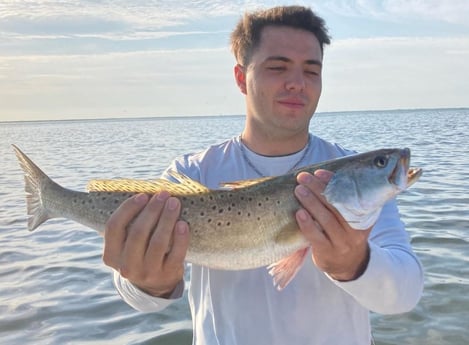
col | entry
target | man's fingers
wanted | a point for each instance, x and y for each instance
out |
(115, 232)
(309, 193)
(177, 254)
(324, 175)
(141, 230)
(160, 241)
(310, 228)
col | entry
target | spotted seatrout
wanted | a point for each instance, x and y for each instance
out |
(247, 224)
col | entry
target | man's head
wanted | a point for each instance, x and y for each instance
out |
(247, 33)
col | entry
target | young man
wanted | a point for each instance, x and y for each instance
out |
(280, 54)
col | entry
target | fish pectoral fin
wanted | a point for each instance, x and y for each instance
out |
(243, 183)
(286, 269)
(186, 186)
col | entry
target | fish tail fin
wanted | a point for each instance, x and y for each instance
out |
(35, 180)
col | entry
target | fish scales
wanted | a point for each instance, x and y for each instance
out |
(229, 225)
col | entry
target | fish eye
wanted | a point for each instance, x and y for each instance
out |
(381, 161)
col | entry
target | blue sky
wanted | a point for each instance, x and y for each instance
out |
(69, 59)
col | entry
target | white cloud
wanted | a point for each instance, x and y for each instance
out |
(454, 11)
(396, 73)
(162, 57)
(191, 82)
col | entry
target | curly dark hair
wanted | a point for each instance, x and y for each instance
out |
(245, 37)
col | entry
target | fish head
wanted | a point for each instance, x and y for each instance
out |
(363, 183)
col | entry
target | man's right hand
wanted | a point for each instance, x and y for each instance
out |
(147, 244)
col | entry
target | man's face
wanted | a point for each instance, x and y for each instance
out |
(283, 80)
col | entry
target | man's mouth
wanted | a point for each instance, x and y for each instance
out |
(292, 103)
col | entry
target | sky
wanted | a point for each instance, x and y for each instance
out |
(77, 59)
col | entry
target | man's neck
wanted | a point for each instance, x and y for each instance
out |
(268, 144)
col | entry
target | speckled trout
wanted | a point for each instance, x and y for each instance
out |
(244, 224)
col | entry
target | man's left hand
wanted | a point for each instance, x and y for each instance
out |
(339, 250)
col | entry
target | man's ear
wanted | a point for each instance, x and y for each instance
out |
(240, 77)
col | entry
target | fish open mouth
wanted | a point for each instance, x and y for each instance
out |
(413, 174)
(402, 167)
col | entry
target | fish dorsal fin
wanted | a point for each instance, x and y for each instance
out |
(186, 185)
(243, 183)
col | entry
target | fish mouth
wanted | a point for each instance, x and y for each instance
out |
(403, 173)
(413, 174)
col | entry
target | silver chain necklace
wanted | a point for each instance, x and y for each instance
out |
(256, 170)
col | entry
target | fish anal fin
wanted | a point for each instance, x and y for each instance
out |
(285, 270)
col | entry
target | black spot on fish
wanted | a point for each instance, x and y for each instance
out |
(228, 223)
(239, 213)
(258, 218)
(229, 208)
(220, 210)
(219, 223)
(214, 207)
(259, 204)
(202, 214)
(202, 199)
(266, 198)
(209, 220)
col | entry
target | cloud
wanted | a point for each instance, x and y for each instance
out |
(119, 84)
(71, 27)
(455, 11)
(163, 57)
(396, 72)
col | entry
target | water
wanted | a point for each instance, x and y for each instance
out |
(55, 289)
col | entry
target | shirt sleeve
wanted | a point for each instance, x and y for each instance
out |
(393, 280)
(142, 301)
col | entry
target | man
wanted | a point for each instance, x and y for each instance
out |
(279, 56)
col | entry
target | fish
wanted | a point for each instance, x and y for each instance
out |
(244, 224)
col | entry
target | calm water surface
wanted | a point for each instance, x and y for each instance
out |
(55, 289)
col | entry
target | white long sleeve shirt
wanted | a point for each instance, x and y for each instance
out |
(244, 308)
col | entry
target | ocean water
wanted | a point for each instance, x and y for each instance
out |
(54, 288)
